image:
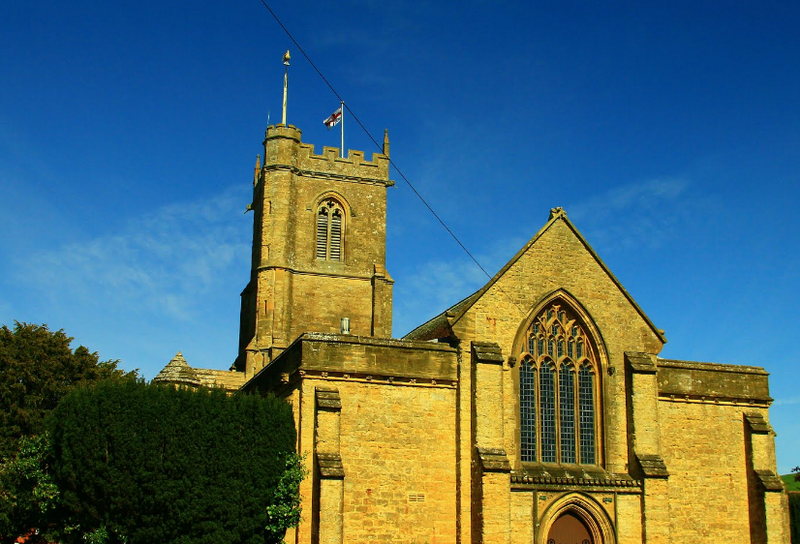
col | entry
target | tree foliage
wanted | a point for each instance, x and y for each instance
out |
(144, 463)
(284, 512)
(28, 495)
(37, 368)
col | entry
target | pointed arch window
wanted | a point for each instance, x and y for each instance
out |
(558, 390)
(330, 230)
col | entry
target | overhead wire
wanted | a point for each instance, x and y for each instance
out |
(378, 146)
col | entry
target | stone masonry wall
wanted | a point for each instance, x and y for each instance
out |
(398, 452)
(703, 446)
(324, 300)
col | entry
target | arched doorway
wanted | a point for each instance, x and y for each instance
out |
(569, 529)
(575, 518)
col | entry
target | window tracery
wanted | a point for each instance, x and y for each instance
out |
(558, 390)
(330, 227)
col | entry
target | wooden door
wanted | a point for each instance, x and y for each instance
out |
(569, 529)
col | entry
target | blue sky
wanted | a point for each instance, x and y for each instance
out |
(670, 134)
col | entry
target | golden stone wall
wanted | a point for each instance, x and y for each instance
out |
(703, 446)
(398, 444)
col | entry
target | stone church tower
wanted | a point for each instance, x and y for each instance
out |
(319, 247)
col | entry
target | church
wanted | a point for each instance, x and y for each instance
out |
(534, 411)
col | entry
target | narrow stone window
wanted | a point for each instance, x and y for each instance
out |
(558, 390)
(330, 228)
(586, 394)
(547, 409)
(566, 388)
(527, 406)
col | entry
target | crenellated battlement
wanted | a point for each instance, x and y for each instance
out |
(284, 148)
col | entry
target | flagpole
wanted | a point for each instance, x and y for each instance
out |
(341, 153)
(286, 58)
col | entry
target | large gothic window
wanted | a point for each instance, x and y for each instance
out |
(330, 226)
(558, 390)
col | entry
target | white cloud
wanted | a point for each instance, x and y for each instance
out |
(642, 195)
(634, 215)
(158, 262)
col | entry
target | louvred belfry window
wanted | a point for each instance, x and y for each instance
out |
(558, 390)
(330, 227)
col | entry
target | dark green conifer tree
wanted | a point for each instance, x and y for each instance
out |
(140, 463)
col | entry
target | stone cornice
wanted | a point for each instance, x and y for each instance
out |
(521, 480)
(709, 399)
(373, 378)
(715, 367)
(329, 176)
(373, 341)
(321, 274)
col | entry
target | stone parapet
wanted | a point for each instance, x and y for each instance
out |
(360, 358)
(692, 380)
(330, 164)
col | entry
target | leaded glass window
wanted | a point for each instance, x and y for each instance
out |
(566, 389)
(586, 403)
(527, 406)
(330, 227)
(547, 409)
(558, 390)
